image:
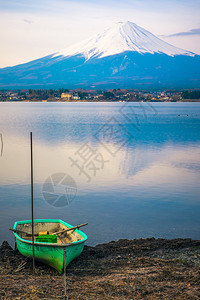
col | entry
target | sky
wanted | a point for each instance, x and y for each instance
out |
(31, 29)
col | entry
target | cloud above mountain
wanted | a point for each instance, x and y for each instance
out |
(195, 31)
(28, 21)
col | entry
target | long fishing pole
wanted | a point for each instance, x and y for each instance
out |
(1, 144)
(31, 142)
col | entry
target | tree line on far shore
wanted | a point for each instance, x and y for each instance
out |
(190, 94)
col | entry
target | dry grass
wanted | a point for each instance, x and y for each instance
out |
(137, 270)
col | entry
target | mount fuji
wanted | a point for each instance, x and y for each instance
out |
(124, 55)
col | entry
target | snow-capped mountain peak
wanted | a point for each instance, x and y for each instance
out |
(121, 37)
(122, 56)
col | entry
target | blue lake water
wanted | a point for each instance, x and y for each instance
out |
(129, 170)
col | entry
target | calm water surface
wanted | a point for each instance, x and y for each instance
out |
(136, 167)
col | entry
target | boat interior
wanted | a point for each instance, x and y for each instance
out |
(25, 232)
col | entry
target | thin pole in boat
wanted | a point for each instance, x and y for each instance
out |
(64, 274)
(1, 144)
(31, 140)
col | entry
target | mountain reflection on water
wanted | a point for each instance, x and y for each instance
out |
(143, 183)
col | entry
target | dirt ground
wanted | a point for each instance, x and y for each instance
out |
(127, 269)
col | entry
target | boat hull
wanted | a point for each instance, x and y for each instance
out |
(51, 254)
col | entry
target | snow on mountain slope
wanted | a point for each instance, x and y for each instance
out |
(121, 37)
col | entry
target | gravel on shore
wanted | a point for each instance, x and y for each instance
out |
(127, 269)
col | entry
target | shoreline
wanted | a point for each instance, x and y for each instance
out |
(102, 101)
(127, 269)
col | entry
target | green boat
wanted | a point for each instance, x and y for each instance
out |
(69, 241)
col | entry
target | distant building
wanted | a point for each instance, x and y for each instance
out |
(66, 96)
(76, 97)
